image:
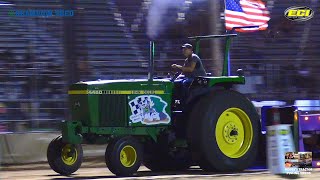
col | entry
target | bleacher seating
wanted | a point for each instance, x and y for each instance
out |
(25, 75)
(111, 42)
(106, 40)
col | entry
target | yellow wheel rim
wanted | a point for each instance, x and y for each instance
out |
(128, 156)
(69, 154)
(234, 132)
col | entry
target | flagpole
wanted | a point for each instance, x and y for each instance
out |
(215, 28)
(228, 44)
(227, 39)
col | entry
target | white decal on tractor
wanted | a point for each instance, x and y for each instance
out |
(149, 110)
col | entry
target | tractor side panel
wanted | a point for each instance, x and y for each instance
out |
(79, 107)
(78, 102)
(149, 109)
(108, 104)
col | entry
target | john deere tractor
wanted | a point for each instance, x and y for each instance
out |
(147, 121)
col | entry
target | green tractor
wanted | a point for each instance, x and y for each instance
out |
(143, 121)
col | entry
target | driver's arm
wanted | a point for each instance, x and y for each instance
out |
(188, 68)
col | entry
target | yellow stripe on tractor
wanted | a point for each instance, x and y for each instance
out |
(77, 92)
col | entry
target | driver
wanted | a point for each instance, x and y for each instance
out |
(192, 67)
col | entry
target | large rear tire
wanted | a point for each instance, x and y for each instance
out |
(223, 131)
(63, 158)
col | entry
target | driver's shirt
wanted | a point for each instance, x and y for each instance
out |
(198, 70)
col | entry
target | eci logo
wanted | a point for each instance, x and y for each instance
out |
(299, 13)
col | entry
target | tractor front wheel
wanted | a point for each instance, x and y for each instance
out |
(123, 156)
(64, 158)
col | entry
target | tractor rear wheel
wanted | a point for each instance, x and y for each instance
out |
(223, 130)
(123, 156)
(64, 158)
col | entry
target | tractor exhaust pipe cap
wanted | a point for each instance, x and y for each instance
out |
(240, 72)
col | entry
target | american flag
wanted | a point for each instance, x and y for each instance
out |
(246, 13)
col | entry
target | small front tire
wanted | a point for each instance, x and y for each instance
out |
(123, 156)
(64, 158)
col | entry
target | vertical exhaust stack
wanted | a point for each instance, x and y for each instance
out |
(151, 61)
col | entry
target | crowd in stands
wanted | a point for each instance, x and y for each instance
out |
(111, 43)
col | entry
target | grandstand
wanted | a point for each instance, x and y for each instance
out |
(32, 67)
(110, 47)
(111, 42)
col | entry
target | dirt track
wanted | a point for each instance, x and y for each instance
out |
(104, 173)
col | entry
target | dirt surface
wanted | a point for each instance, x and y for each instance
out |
(144, 173)
(88, 162)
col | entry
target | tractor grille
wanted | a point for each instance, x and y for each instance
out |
(113, 110)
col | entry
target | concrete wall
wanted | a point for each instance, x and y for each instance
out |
(32, 147)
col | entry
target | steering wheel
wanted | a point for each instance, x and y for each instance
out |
(175, 76)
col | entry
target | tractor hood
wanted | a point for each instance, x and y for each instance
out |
(122, 86)
(104, 102)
